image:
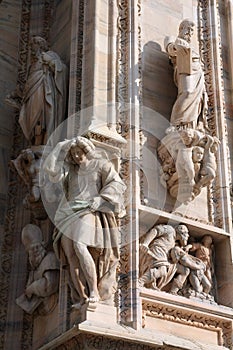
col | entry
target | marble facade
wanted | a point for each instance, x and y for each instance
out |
(120, 94)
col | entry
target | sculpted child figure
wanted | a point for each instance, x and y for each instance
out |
(204, 251)
(86, 217)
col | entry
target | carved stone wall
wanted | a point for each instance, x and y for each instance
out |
(115, 55)
(11, 17)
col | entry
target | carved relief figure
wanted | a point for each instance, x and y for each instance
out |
(204, 251)
(44, 95)
(197, 157)
(191, 104)
(209, 166)
(165, 262)
(43, 279)
(28, 165)
(194, 163)
(85, 220)
(157, 245)
(196, 269)
(184, 158)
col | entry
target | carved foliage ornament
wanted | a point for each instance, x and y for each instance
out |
(174, 314)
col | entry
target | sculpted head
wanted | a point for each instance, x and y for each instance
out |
(81, 150)
(186, 30)
(32, 240)
(182, 234)
(198, 153)
(207, 240)
(187, 136)
(38, 43)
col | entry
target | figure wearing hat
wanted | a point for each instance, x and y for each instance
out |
(43, 279)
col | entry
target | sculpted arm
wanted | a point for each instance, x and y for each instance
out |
(44, 286)
(111, 193)
(53, 164)
(150, 236)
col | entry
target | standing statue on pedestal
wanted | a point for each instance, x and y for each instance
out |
(187, 152)
(43, 101)
(85, 219)
(191, 104)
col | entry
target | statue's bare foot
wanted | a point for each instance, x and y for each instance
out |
(93, 298)
(155, 287)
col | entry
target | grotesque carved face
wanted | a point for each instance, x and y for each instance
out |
(78, 155)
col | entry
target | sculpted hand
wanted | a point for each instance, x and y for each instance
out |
(182, 49)
(46, 58)
(188, 247)
(96, 203)
(29, 292)
(144, 248)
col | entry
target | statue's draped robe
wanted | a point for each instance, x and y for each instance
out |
(44, 97)
(45, 281)
(95, 229)
(159, 255)
(191, 101)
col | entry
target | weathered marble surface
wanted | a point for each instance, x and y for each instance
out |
(9, 28)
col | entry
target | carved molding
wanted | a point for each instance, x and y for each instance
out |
(123, 98)
(16, 216)
(210, 46)
(129, 114)
(187, 317)
(94, 342)
(12, 224)
(48, 18)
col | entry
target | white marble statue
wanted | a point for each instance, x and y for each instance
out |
(191, 103)
(165, 262)
(42, 104)
(86, 218)
(156, 268)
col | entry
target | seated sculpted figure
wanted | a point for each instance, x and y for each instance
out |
(86, 217)
(191, 103)
(43, 280)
